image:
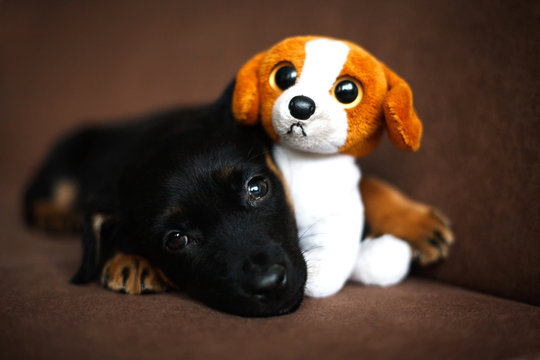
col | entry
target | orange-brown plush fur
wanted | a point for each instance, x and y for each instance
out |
(386, 101)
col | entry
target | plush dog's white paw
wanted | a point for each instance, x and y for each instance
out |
(382, 261)
(323, 286)
(328, 271)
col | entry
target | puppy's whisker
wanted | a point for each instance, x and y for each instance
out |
(307, 236)
(311, 248)
(252, 157)
(317, 222)
(307, 229)
(249, 152)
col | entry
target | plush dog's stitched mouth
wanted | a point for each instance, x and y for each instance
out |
(291, 129)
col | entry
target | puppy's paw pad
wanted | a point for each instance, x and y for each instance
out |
(433, 247)
(430, 236)
(132, 274)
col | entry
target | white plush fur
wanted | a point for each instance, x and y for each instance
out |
(330, 218)
(324, 184)
(329, 214)
(382, 261)
(326, 129)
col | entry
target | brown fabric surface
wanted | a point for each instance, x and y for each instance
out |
(44, 317)
(473, 71)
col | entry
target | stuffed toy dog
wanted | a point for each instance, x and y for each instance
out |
(326, 102)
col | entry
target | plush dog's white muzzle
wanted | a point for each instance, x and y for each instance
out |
(306, 116)
(323, 131)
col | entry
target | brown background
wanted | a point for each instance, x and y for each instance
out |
(473, 68)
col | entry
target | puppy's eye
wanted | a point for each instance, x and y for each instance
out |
(283, 76)
(174, 241)
(348, 92)
(257, 187)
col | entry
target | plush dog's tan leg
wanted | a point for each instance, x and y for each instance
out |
(132, 274)
(388, 211)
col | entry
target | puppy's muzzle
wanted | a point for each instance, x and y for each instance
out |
(269, 282)
(301, 107)
(264, 279)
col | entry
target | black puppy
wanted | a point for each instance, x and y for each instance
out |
(196, 195)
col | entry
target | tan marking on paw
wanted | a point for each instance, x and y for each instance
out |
(428, 234)
(132, 274)
(65, 193)
(49, 217)
(426, 229)
(58, 214)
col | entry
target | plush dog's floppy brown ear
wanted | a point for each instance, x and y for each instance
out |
(403, 126)
(245, 101)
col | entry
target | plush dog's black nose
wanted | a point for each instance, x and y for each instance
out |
(301, 107)
(269, 281)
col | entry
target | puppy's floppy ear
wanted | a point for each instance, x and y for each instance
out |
(403, 126)
(245, 101)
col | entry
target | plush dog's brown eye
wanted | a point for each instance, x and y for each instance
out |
(348, 92)
(283, 76)
(174, 241)
(257, 188)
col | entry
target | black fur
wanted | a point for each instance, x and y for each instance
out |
(184, 170)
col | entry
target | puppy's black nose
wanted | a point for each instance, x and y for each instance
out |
(301, 107)
(269, 281)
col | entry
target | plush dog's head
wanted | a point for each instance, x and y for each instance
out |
(213, 214)
(325, 96)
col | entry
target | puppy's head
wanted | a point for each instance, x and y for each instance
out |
(325, 96)
(217, 221)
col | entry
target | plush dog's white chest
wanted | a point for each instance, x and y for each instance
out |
(329, 213)
(322, 186)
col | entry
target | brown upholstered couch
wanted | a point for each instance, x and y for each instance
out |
(473, 67)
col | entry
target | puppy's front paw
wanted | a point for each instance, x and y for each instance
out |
(429, 234)
(132, 274)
